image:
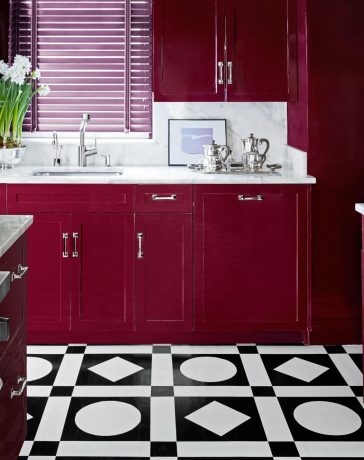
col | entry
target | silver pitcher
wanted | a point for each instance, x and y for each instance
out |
(253, 159)
(215, 157)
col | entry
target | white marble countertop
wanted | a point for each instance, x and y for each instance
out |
(360, 208)
(150, 175)
(11, 229)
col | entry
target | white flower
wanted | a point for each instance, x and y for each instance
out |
(44, 90)
(22, 62)
(36, 74)
(16, 75)
(3, 67)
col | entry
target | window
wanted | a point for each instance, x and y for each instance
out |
(96, 56)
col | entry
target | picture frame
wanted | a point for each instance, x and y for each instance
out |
(186, 137)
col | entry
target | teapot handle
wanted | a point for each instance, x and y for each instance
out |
(264, 141)
(228, 152)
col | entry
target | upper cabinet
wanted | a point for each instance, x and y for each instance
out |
(225, 50)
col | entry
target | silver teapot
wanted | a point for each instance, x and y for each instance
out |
(253, 159)
(215, 157)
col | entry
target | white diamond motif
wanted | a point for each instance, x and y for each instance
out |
(29, 417)
(218, 418)
(115, 369)
(301, 369)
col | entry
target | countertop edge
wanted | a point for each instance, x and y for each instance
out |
(18, 225)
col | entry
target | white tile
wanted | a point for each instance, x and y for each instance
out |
(347, 369)
(164, 458)
(162, 419)
(112, 391)
(37, 368)
(38, 390)
(95, 449)
(115, 369)
(301, 369)
(205, 349)
(314, 391)
(26, 448)
(209, 369)
(339, 449)
(292, 350)
(77, 344)
(353, 349)
(29, 416)
(41, 457)
(255, 370)
(213, 391)
(361, 400)
(224, 449)
(53, 419)
(46, 349)
(162, 369)
(117, 349)
(217, 418)
(69, 370)
(273, 420)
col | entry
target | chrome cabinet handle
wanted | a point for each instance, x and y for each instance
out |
(19, 392)
(65, 240)
(250, 197)
(220, 80)
(164, 198)
(21, 272)
(75, 238)
(4, 329)
(230, 73)
(140, 254)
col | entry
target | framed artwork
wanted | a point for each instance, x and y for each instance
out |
(186, 138)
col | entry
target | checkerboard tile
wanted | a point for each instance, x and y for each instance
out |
(184, 402)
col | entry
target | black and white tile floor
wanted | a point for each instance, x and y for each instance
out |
(194, 402)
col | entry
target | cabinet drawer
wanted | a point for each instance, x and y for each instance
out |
(70, 198)
(160, 198)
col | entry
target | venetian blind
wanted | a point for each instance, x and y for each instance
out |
(95, 56)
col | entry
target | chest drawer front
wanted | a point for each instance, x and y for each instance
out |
(164, 198)
(70, 198)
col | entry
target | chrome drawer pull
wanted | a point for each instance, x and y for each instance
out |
(21, 272)
(140, 254)
(164, 198)
(75, 238)
(220, 80)
(19, 392)
(230, 73)
(4, 329)
(65, 240)
(250, 197)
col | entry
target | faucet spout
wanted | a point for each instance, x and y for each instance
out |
(83, 152)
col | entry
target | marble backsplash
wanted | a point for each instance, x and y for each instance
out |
(267, 120)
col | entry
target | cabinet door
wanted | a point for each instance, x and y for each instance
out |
(188, 46)
(261, 47)
(102, 270)
(163, 286)
(251, 257)
(49, 275)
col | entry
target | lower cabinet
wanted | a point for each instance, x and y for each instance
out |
(251, 257)
(163, 272)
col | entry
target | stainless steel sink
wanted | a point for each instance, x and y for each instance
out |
(80, 172)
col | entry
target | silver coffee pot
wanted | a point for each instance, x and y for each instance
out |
(253, 159)
(215, 157)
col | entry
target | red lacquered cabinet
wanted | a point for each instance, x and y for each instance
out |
(251, 257)
(225, 50)
(2, 198)
(163, 272)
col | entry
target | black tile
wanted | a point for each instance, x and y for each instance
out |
(44, 448)
(62, 391)
(162, 391)
(161, 349)
(79, 349)
(263, 391)
(35, 408)
(284, 449)
(334, 349)
(358, 360)
(358, 391)
(163, 449)
(247, 349)
(55, 361)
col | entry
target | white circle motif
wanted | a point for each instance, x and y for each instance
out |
(37, 368)
(208, 369)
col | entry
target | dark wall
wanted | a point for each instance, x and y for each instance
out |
(335, 131)
(4, 29)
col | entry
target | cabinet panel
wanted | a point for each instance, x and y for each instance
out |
(49, 279)
(188, 44)
(163, 287)
(251, 263)
(261, 45)
(163, 198)
(102, 272)
(2, 198)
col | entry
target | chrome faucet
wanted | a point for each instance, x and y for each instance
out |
(57, 150)
(83, 152)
